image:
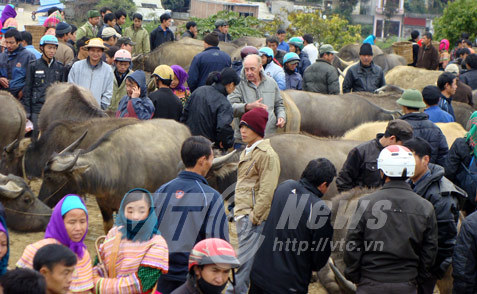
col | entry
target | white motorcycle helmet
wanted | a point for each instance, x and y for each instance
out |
(396, 161)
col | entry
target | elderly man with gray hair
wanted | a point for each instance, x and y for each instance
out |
(257, 90)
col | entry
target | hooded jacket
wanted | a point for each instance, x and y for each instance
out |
(247, 92)
(426, 129)
(141, 107)
(209, 113)
(276, 72)
(438, 190)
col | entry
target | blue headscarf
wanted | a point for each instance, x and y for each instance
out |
(137, 230)
(4, 260)
(369, 39)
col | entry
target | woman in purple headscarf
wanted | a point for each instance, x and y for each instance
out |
(7, 20)
(68, 226)
(177, 85)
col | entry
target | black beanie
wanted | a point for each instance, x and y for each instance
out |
(212, 39)
(366, 49)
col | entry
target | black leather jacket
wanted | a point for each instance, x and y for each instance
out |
(363, 79)
(361, 167)
(408, 237)
(39, 77)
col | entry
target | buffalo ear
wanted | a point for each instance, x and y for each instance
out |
(63, 163)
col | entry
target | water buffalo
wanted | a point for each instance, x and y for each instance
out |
(23, 211)
(32, 157)
(181, 53)
(389, 61)
(368, 131)
(65, 101)
(142, 155)
(343, 206)
(350, 52)
(250, 41)
(387, 100)
(408, 77)
(332, 115)
(294, 151)
(12, 119)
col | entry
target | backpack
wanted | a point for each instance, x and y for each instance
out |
(468, 179)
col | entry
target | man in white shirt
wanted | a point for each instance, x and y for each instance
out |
(310, 48)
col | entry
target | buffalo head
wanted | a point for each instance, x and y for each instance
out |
(23, 211)
(61, 174)
(12, 156)
(222, 175)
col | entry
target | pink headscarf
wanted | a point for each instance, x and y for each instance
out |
(444, 45)
(53, 19)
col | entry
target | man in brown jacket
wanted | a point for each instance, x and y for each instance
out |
(64, 54)
(428, 57)
(258, 172)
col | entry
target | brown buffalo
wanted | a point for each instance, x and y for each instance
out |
(12, 119)
(65, 101)
(249, 41)
(32, 157)
(23, 211)
(408, 77)
(350, 52)
(389, 61)
(387, 100)
(294, 151)
(368, 131)
(181, 53)
(142, 155)
(333, 115)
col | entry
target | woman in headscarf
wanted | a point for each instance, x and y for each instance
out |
(68, 226)
(7, 20)
(4, 245)
(444, 56)
(462, 161)
(134, 255)
(177, 85)
(52, 20)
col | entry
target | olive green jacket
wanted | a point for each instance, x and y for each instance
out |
(140, 37)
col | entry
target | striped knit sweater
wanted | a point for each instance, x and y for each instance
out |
(132, 256)
(82, 276)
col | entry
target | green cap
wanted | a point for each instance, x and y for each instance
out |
(327, 48)
(411, 98)
(93, 13)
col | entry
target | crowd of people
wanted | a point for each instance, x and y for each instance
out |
(237, 104)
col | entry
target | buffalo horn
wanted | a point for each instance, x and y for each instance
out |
(219, 161)
(74, 145)
(63, 166)
(9, 148)
(10, 190)
(346, 285)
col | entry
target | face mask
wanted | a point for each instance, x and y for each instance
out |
(208, 288)
(133, 228)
